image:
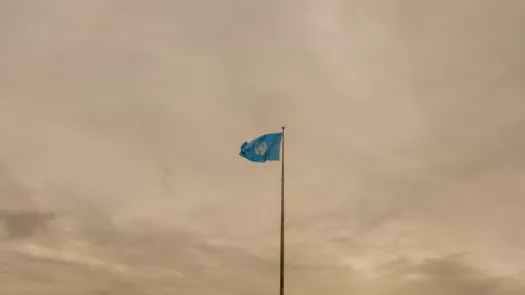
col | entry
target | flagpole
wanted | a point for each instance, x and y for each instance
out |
(282, 220)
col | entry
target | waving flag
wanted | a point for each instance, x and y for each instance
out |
(264, 148)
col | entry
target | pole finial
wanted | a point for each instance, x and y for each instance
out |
(283, 127)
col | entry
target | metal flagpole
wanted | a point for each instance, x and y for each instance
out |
(282, 219)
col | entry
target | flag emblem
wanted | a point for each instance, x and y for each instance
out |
(261, 148)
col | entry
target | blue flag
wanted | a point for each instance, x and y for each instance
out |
(263, 148)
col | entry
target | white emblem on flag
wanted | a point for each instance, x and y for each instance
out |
(260, 148)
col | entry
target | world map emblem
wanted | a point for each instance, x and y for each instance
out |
(260, 148)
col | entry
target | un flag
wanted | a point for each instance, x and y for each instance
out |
(264, 148)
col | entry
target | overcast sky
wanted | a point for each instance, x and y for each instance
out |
(404, 146)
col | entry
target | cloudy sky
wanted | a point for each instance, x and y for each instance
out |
(405, 165)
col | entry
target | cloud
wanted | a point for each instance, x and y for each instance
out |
(19, 224)
(444, 275)
(20, 215)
